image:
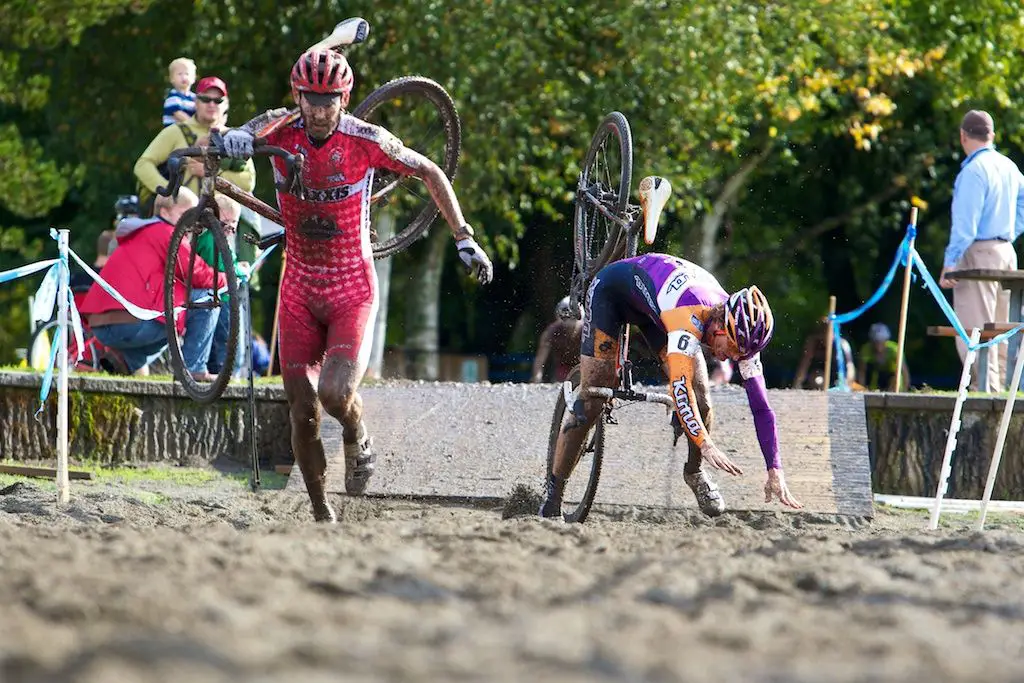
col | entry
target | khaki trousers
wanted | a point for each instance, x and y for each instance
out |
(977, 302)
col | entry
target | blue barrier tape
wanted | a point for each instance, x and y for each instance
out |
(44, 390)
(48, 291)
(901, 252)
(46, 295)
(258, 262)
(136, 311)
(950, 314)
(901, 258)
(74, 320)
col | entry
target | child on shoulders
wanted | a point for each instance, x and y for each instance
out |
(180, 102)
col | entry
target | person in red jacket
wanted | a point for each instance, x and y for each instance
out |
(136, 271)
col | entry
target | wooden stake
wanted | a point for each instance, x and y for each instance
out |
(42, 472)
(828, 343)
(904, 306)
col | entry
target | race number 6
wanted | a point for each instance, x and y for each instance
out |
(683, 342)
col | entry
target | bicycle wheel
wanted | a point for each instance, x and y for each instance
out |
(602, 190)
(581, 486)
(41, 340)
(422, 115)
(193, 223)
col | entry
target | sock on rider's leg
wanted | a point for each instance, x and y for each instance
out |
(555, 485)
(693, 460)
(354, 436)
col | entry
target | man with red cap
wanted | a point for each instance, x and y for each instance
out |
(151, 168)
(329, 293)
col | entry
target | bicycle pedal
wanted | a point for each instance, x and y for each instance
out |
(608, 419)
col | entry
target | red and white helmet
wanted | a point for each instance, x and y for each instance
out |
(323, 72)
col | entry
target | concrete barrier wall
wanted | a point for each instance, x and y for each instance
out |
(118, 421)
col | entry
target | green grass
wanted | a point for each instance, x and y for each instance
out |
(956, 520)
(148, 378)
(154, 474)
(182, 476)
(9, 479)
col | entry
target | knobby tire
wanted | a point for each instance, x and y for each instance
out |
(201, 392)
(579, 513)
(415, 86)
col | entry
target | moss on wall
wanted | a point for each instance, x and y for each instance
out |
(100, 425)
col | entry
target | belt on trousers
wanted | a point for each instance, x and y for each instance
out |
(994, 239)
(110, 318)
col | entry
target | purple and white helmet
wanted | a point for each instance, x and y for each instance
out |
(748, 321)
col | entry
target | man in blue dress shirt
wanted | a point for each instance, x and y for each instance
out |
(988, 215)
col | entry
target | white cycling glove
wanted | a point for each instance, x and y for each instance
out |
(238, 143)
(475, 259)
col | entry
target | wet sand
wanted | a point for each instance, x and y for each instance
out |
(216, 584)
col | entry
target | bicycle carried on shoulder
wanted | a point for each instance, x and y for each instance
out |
(606, 228)
(415, 109)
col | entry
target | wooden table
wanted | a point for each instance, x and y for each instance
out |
(1012, 280)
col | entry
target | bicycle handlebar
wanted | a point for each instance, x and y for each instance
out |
(630, 395)
(214, 152)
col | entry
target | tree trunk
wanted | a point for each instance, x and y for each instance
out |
(708, 253)
(385, 227)
(423, 306)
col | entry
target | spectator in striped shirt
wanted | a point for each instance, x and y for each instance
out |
(180, 102)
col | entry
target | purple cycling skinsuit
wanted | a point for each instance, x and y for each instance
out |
(670, 300)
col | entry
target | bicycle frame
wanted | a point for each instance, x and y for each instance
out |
(624, 391)
(250, 201)
(654, 192)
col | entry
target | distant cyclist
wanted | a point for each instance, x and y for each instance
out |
(678, 306)
(559, 344)
(329, 294)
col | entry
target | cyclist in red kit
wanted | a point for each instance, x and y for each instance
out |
(329, 292)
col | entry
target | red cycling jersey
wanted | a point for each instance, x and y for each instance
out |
(329, 292)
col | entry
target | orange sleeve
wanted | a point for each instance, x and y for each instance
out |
(681, 357)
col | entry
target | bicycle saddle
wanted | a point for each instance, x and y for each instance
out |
(654, 192)
(348, 32)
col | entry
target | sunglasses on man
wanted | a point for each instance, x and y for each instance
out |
(207, 99)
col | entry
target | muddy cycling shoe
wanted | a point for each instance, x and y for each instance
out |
(709, 500)
(551, 507)
(324, 513)
(359, 466)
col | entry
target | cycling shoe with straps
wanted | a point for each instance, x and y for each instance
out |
(709, 499)
(359, 466)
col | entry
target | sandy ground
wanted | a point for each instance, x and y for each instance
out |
(215, 584)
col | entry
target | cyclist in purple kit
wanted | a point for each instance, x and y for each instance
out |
(678, 306)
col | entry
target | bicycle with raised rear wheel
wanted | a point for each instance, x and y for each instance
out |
(607, 228)
(416, 109)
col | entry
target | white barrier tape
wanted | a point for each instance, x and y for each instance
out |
(46, 291)
(136, 311)
(46, 295)
(23, 271)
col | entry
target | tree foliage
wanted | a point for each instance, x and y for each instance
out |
(795, 134)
